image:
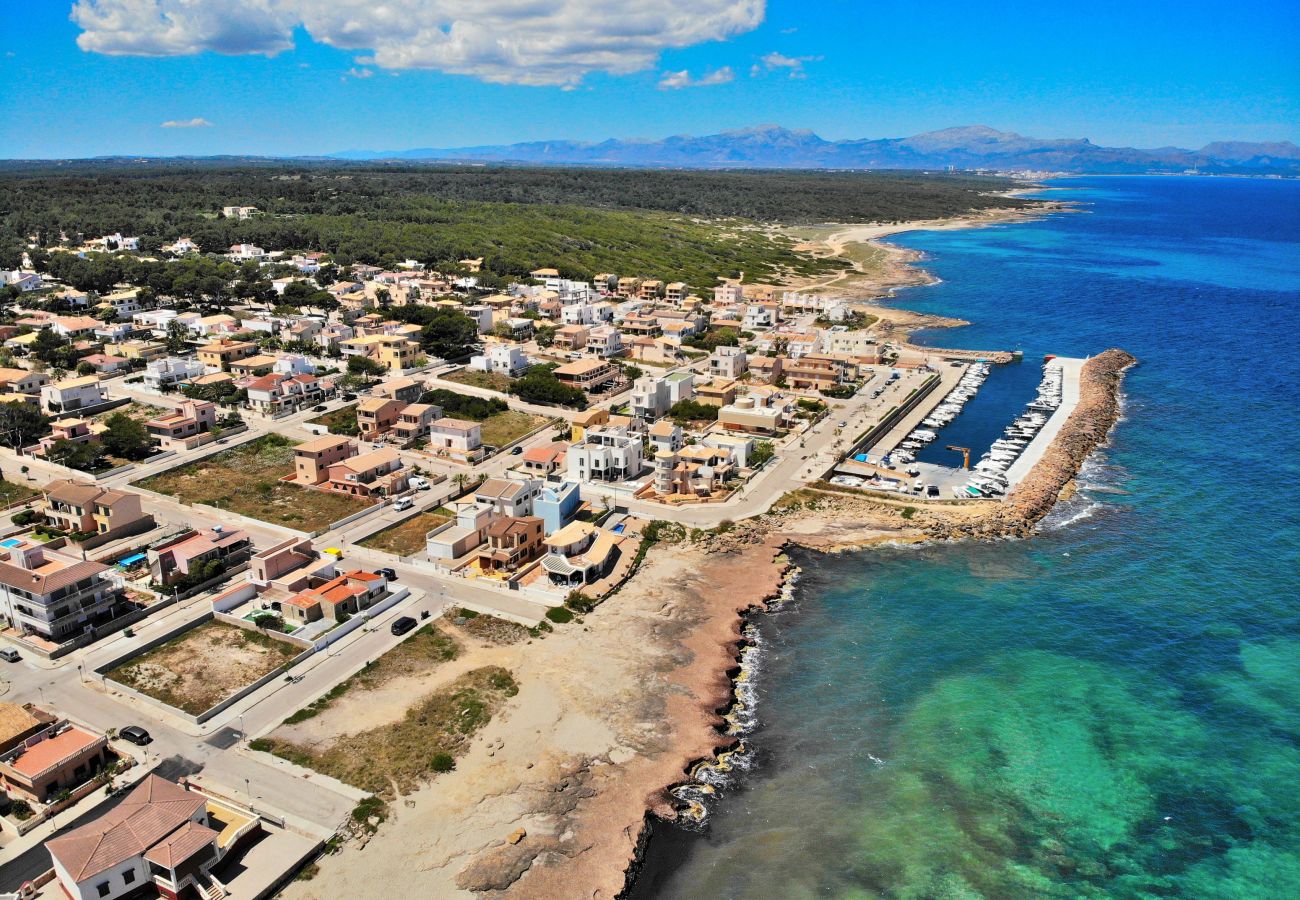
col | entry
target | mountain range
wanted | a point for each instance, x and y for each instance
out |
(970, 147)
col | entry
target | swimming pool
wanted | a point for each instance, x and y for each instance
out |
(10, 542)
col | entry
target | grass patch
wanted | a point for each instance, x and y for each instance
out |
(339, 421)
(493, 381)
(505, 427)
(419, 653)
(12, 492)
(246, 480)
(400, 756)
(407, 537)
(196, 670)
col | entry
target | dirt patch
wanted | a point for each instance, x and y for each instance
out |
(504, 427)
(489, 629)
(493, 381)
(398, 757)
(407, 537)
(246, 480)
(198, 669)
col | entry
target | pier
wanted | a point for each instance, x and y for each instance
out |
(1070, 373)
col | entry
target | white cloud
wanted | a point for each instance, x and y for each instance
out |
(542, 42)
(354, 72)
(196, 122)
(674, 80)
(774, 60)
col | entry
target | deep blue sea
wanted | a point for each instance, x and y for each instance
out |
(1112, 708)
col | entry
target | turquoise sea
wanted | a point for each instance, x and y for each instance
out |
(1112, 708)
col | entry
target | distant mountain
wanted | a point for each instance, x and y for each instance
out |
(971, 147)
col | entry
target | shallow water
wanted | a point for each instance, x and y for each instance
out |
(1110, 708)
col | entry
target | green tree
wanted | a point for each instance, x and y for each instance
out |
(176, 337)
(21, 425)
(763, 453)
(361, 365)
(126, 437)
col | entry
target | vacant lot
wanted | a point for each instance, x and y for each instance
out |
(12, 492)
(246, 480)
(198, 669)
(385, 728)
(141, 412)
(340, 421)
(501, 428)
(491, 380)
(406, 538)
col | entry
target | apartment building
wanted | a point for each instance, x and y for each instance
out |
(605, 341)
(170, 371)
(503, 359)
(586, 374)
(52, 594)
(571, 337)
(816, 371)
(557, 504)
(728, 362)
(512, 541)
(278, 393)
(605, 453)
(729, 292)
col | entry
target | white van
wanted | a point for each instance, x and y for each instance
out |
(402, 503)
(419, 482)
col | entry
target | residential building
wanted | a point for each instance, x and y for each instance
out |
(239, 212)
(170, 371)
(181, 246)
(160, 840)
(716, 393)
(372, 475)
(754, 414)
(124, 304)
(53, 594)
(728, 362)
(605, 341)
(697, 470)
(18, 723)
(313, 459)
(111, 332)
(136, 349)
(557, 504)
(765, 369)
(188, 554)
(739, 446)
(459, 439)
(760, 316)
(393, 351)
(21, 381)
(676, 291)
(817, 371)
(665, 438)
(571, 337)
(187, 426)
(245, 253)
(628, 287)
(257, 364)
(219, 355)
(729, 292)
(219, 324)
(579, 553)
(376, 416)
(504, 359)
(103, 364)
(414, 422)
(649, 398)
(56, 759)
(512, 541)
(82, 507)
(605, 453)
(72, 394)
(408, 390)
(23, 281)
(540, 462)
(455, 539)
(508, 496)
(338, 599)
(587, 374)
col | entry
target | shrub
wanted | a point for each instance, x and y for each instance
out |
(579, 602)
(442, 762)
(26, 517)
(262, 745)
(559, 615)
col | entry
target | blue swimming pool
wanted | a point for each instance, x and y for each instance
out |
(10, 542)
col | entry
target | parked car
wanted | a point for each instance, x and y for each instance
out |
(403, 503)
(9, 654)
(390, 574)
(515, 451)
(419, 482)
(349, 396)
(135, 734)
(321, 408)
(932, 490)
(403, 625)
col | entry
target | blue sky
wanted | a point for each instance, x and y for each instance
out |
(318, 76)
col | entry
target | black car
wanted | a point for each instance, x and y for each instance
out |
(349, 396)
(932, 490)
(135, 734)
(403, 625)
(320, 408)
(388, 573)
(515, 451)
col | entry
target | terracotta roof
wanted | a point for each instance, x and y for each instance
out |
(149, 813)
(49, 577)
(325, 442)
(78, 493)
(52, 751)
(183, 843)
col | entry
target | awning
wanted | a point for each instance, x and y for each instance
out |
(558, 565)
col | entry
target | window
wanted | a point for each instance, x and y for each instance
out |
(128, 876)
(103, 888)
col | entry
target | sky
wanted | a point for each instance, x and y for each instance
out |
(83, 78)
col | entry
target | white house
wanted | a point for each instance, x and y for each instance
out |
(457, 438)
(605, 341)
(294, 364)
(73, 393)
(605, 454)
(509, 496)
(245, 252)
(24, 281)
(728, 362)
(117, 242)
(181, 246)
(505, 359)
(170, 370)
(731, 292)
(239, 212)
